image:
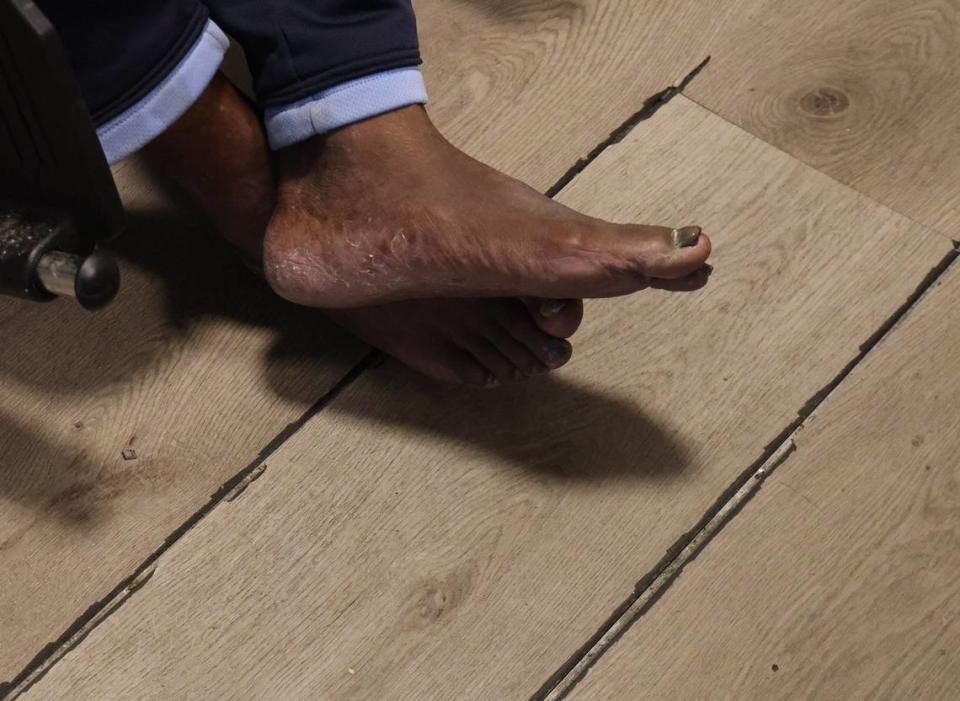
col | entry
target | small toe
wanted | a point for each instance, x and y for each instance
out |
(559, 352)
(466, 369)
(550, 351)
(499, 367)
(525, 362)
(453, 366)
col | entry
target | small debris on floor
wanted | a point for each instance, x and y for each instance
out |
(142, 578)
(245, 482)
(129, 454)
(351, 670)
(776, 668)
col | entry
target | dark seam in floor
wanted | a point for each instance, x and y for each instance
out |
(369, 360)
(928, 282)
(650, 107)
(372, 359)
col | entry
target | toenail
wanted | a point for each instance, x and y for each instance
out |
(557, 353)
(686, 236)
(552, 307)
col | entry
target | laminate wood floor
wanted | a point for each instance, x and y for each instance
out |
(414, 542)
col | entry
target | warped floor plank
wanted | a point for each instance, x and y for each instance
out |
(418, 542)
(841, 579)
(860, 90)
(194, 367)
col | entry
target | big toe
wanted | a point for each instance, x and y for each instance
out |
(659, 252)
(559, 318)
(669, 254)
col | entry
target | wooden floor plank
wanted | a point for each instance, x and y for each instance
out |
(417, 542)
(860, 90)
(530, 86)
(195, 367)
(194, 374)
(841, 579)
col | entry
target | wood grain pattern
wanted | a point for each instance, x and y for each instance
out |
(841, 579)
(863, 91)
(195, 367)
(416, 542)
(530, 86)
(526, 86)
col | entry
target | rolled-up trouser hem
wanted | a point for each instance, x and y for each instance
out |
(166, 102)
(344, 104)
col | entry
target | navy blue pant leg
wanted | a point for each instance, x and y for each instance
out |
(142, 63)
(297, 48)
(121, 49)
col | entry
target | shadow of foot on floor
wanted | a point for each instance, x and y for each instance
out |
(552, 426)
(181, 281)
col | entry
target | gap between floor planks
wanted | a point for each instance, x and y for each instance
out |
(651, 587)
(882, 324)
(233, 488)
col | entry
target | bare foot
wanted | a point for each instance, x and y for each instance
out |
(479, 342)
(387, 209)
(217, 153)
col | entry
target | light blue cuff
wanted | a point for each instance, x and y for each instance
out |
(344, 104)
(163, 105)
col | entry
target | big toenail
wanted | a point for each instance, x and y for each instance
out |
(557, 353)
(552, 307)
(686, 236)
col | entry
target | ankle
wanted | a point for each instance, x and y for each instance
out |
(217, 153)
(391, 140)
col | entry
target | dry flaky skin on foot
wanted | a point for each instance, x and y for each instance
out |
(217, 153)
(386, 209)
